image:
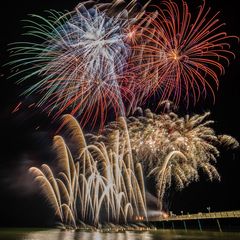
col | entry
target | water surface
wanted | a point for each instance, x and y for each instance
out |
(55, 234)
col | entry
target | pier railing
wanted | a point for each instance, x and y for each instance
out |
(200, 215)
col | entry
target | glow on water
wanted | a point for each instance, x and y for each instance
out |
(56, 234)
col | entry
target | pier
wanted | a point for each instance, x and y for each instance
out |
(199, 220)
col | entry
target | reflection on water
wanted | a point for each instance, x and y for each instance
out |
(30, 234)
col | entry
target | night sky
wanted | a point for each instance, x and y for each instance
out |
(26, 135)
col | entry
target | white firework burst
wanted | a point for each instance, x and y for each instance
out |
(80, 60)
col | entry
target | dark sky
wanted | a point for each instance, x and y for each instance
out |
(26, 135)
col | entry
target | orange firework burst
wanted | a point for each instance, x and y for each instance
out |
(180, 54)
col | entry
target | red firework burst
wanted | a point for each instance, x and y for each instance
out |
(180, 54)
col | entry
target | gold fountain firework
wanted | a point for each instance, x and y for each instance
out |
(97, 183)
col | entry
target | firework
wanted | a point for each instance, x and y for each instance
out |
(94, 183)
(179, 54)
(103, 57)
(173, 149)
(78, 59)
(101, 178)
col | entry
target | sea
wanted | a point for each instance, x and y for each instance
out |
(57, 234)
